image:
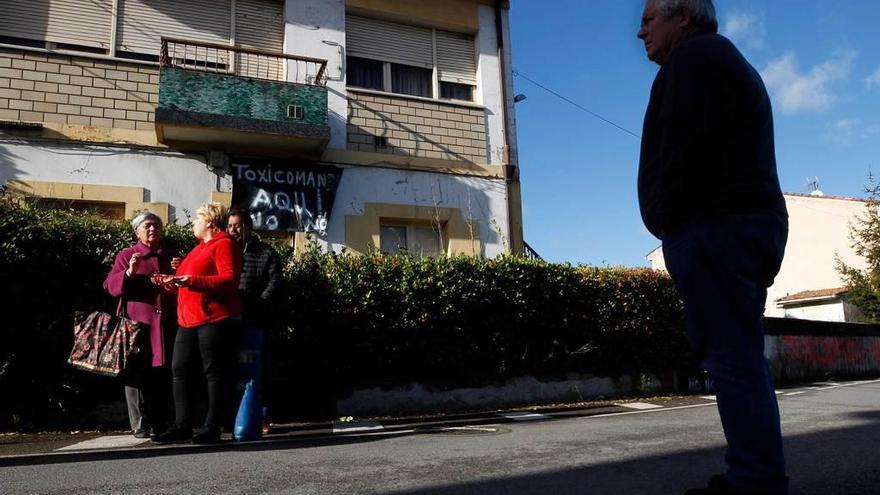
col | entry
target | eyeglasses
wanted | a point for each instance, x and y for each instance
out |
(148, 225)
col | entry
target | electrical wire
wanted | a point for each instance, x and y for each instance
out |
(594, 114)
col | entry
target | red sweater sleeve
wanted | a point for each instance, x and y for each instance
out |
(227, 259)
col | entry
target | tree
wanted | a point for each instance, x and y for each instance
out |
(864, 285)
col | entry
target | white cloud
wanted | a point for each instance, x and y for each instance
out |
(745, 28)
(873, 81)
(810, 91)
(846, 131)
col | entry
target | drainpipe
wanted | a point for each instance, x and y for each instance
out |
(511, 168)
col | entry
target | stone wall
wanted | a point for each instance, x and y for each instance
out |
(48, 88)
(416, 127)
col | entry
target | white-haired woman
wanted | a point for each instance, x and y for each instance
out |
(207, 308)
(148, 379)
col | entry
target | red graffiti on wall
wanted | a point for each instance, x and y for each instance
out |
(831, 353)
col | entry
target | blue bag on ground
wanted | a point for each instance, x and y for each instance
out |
(248, 422)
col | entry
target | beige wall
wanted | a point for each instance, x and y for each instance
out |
(459, 236)
(416, 128)
(41, 87)
(819, 230)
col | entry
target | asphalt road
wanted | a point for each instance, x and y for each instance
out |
(832, 438)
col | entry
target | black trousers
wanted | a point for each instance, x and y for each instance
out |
(213, 344)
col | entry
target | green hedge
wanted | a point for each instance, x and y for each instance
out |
(348, 321)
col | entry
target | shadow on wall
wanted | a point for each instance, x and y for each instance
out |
(390, 124)
(8, 171)
(833, 461)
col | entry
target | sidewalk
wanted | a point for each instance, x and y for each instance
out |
(54, 447)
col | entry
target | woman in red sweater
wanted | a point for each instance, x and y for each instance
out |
(207, 308)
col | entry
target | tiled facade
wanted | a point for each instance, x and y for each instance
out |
(40, 87)
(415, 127)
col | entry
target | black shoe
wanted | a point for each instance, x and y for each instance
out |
(718, 485)
(174, 434)
(142, 433)
(206, 434)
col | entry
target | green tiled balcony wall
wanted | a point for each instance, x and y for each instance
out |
(232, 96)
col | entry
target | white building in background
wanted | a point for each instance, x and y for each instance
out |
(383, 123)
(808, 285)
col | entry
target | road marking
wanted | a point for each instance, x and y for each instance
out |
(523, 416)
(796, 393)
(777, 392)
(107, 442)
(639, 405)
(648, 411)
(708, 397)
(356, 427)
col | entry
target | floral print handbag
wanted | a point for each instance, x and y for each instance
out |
(103, 343)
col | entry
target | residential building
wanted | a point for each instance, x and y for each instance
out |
(808, 285)
(381, 124)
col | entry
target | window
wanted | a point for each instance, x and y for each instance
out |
(364, 73)
(455, 91)
(418, 239)
(409, 80)
(410, 60)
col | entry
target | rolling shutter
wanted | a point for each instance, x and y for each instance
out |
(389, 41)
(76, 22)
(456, 58)
(259, 24)
(143, 22)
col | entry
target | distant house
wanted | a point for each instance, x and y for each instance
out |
(808, 285)
(823, 305)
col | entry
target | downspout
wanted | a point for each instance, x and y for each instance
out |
(511, 169)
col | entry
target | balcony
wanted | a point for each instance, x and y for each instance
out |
(220, 97)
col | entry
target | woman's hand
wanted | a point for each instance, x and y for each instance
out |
(133, 264)
(182, 281)
(175, 262)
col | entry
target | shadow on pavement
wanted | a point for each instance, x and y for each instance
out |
(840, 462)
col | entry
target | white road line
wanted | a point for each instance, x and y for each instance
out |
(796, 393)
(523, 416)
(708, 397)
(648, 411)
(639, 405)
(778, 392)
(106, 442)
(356, 427)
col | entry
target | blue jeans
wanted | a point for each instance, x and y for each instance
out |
(721, 267)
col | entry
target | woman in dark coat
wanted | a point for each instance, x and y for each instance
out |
(148, 379)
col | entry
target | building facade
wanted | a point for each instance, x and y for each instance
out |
(808, 285)
(383, 124)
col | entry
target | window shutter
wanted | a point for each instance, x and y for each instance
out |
(389, 41)
(143, 22)
(456, 58)
(259, 24)
(76, 22)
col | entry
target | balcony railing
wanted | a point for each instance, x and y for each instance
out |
(243, 62)
(530, 253)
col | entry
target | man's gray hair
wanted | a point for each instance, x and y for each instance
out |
(702, 11)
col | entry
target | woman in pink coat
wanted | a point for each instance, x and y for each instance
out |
(147, 379)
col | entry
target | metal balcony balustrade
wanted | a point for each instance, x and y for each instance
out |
(243, 62)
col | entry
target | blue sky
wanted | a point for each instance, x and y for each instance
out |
(820, 60)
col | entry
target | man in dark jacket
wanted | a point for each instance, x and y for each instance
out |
(708, 189)
(259, 288)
